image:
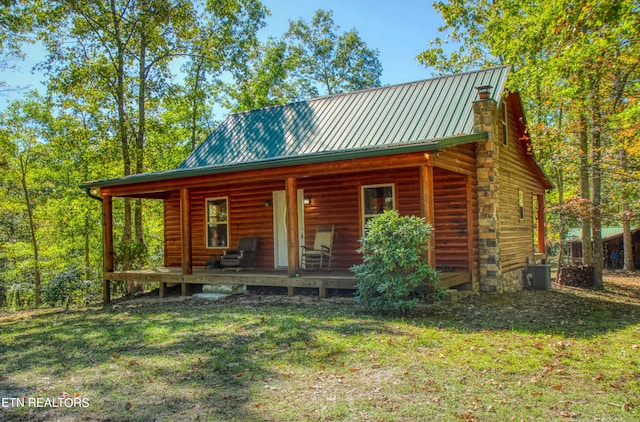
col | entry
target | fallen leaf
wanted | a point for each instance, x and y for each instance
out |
(628, 407)
(558, 387)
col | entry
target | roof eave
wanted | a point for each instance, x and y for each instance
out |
(416, 146)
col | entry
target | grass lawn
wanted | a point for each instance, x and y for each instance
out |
(563, 354)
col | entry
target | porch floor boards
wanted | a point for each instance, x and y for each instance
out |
(321, 280)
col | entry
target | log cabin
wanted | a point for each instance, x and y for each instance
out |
(612, 240)
(452, 149)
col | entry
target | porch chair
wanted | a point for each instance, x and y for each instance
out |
(242, 257)
(321, 253)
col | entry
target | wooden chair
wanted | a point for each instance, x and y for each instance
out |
(321, 253)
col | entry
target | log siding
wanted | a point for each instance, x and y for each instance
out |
(335, 200)
(517, 235)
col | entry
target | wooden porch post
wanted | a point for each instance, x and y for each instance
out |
(427, 207)
(107, 233)
(291, 190)
(470, 232)
(541, 225)
(185, 234)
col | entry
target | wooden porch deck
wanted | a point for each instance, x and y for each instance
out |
(321, 280)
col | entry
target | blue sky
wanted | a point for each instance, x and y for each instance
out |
(398, 29)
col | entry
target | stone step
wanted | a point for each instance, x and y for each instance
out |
(228, 289)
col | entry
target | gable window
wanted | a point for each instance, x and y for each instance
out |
(505, 131)
(375, 200)
(217, 223)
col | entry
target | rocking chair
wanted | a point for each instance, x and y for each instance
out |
(321, 253)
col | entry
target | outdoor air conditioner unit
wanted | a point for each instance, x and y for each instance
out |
(539, 276)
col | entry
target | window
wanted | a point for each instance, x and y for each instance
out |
(505, 132)
(217, 223)
(375, 200)
(521, 204)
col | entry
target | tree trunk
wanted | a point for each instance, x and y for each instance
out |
(140, 138)
(563, 230)
(194, 104)
(32, 229)
(585, 192)
(122, 123)
(596, 197)
(87, 245)
(627, 241)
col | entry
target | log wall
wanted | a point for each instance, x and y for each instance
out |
(517, 234)
(335, 201)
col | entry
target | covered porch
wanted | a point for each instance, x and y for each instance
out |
(324, 281)
(439, 187)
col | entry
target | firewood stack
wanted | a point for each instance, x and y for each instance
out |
(578, 276)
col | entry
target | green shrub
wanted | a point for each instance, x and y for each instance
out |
(394, 263)
(20, 295)
(67, 288)
(131, 255)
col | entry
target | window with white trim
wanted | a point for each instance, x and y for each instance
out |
(375, 200)
(217, 223)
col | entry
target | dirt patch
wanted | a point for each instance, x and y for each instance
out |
(619, 288)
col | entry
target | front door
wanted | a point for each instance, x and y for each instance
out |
(281, 249)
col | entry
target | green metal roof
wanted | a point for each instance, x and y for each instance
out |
(575, 233)
(422, 115)
(423, 111)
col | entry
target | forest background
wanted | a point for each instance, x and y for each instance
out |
(114, 105)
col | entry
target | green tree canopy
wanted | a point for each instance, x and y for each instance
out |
(332, 63)
(309, 60)
(576, 66)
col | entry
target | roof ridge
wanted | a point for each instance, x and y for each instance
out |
(370, 89)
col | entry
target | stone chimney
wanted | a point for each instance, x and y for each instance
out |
(487, 120)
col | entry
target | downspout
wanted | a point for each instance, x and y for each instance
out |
(97, 198)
